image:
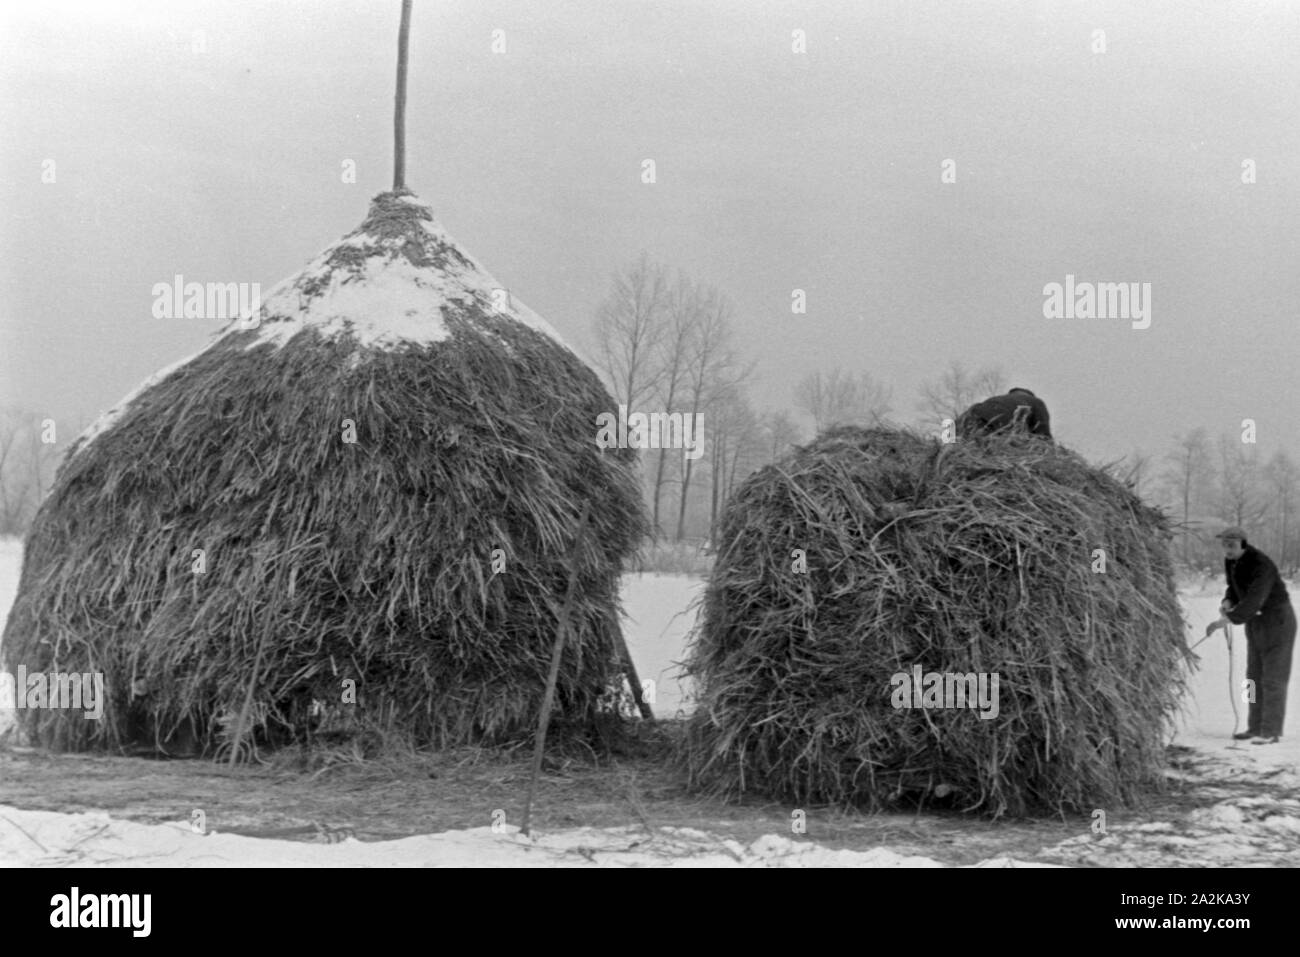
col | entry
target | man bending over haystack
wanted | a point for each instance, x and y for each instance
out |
(1017, 411)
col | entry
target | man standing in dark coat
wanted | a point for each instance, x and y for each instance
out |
(1257, 598)
(1018, 409)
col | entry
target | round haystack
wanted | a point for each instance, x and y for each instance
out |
(320, 500)
(922, 558)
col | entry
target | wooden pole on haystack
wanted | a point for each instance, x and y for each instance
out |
(553, 676)
(399, 109)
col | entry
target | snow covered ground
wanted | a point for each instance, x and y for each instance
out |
(660, 612)
(46, 839)
(659, 618)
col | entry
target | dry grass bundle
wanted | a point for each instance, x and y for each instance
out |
(328, 560)
(960, 559)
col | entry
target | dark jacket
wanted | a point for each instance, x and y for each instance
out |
(1254, 588)
(999, 413)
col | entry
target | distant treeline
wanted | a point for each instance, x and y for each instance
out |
(664, 342)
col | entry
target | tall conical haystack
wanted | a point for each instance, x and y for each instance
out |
(970, 559)
(318, 500)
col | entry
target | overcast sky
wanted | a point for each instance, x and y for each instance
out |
(775, 171)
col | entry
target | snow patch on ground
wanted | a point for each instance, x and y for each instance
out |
(1236, 831)
(48, 839)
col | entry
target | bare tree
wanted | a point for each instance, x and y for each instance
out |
(27, 466)
(1284, 484)
(38, 453)
(1135, 471)
(839, 397)
(629, 326)
(748, 451)
(714, 370)
(737, 448)
(685, 306)
(1188, 473)
(12, 474)
(956, 390)
(780, 432)
(1241, 497)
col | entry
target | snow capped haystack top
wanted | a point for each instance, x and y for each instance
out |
(392, 281)
(387, 282)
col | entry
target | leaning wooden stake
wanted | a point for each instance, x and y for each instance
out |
(399, 110)
(629, 668)
(553, 676)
